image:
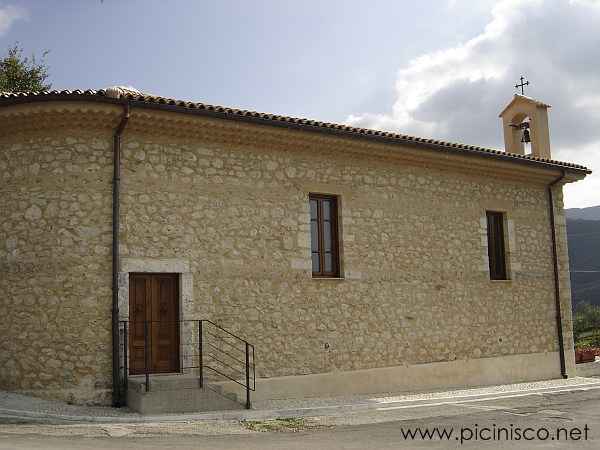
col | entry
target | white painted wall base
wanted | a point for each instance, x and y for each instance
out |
(591, 369)
(410, 378)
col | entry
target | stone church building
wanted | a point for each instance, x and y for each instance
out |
(351, 260)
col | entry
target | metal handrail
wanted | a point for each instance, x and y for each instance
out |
(224, 375)
(224, 352)
(225, 364)
(247, 366)
(247, 369)
(220, 339)
(162, 321)
(223, 329)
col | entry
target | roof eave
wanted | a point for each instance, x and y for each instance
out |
(291, 123)
(423, 143)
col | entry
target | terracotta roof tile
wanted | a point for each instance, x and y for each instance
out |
(135, 96)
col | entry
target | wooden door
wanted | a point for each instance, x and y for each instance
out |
(154, 302)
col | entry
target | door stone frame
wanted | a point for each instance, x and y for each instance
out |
(187, 332)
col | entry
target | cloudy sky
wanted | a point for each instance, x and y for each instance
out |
(436, 68)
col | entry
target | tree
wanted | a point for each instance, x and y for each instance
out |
(586, 319)
(19, 74)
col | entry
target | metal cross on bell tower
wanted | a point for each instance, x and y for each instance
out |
(522, 85)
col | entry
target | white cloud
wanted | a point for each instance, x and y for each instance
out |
(456, 93)
(8, 15)
(587, 192)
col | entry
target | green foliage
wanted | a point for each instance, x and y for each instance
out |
(288, 424)
(586, 319)
(285, 424)
(18, 73)
(592, 341)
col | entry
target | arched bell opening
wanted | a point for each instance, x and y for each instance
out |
(525, 123)
(522, 131)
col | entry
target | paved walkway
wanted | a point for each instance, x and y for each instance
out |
(21, 408)
(568, 408)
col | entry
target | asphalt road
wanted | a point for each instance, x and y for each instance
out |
(577, 410)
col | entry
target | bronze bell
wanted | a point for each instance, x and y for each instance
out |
(526, 137)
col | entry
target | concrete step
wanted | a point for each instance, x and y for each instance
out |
(164, 382)
(178, 394)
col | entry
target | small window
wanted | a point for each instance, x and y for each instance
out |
(496, 248)
(324, 244)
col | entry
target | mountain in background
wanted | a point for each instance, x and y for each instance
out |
(583, 234)
(591, 213)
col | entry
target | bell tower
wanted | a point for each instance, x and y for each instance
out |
(526, 120)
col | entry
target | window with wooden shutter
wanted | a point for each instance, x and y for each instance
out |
(324, 236)
(496, 247)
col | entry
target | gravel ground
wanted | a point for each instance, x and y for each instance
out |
(13, 404)
(16, 402)
(355, 428)
(151, 429)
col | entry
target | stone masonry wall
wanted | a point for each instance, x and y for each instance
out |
(416, 285)
(230, 204)
(55, 264)
(562, 252)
